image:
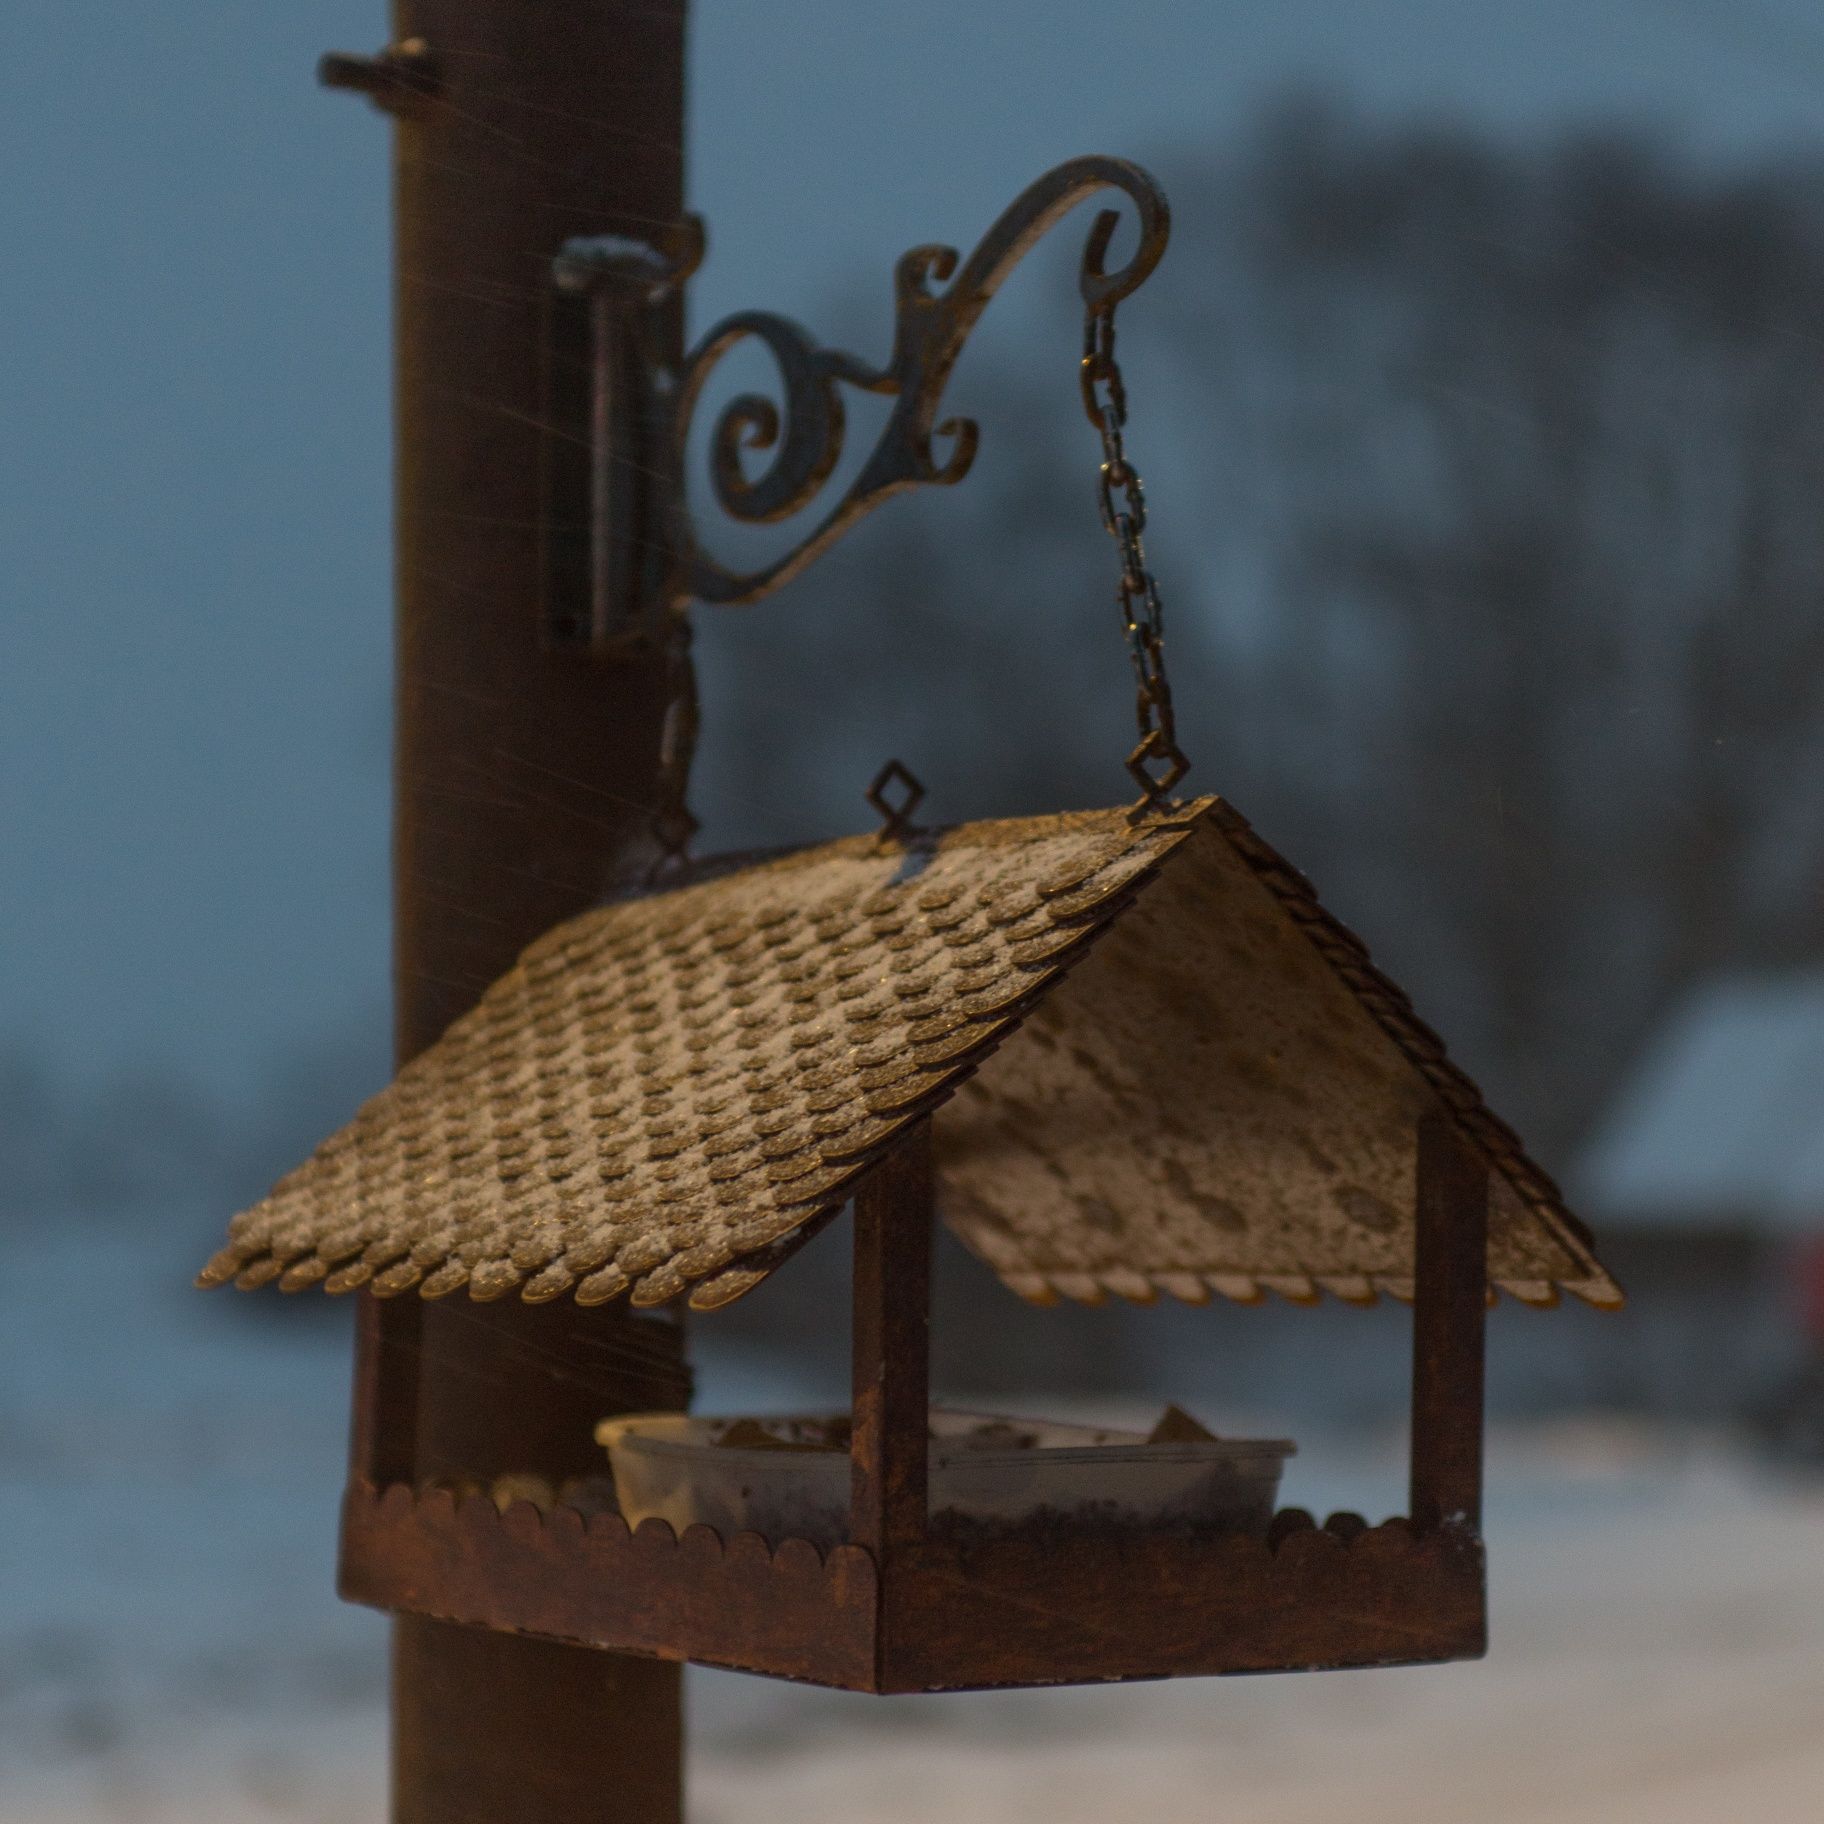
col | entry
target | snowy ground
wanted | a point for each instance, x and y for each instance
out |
(170, 1648)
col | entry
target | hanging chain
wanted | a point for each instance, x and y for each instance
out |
(1157, 762)
(672, 823)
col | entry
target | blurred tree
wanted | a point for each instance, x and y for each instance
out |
(33, 1169)
(1532, 443)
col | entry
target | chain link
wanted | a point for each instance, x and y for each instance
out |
(672, 823)
(1157, 763)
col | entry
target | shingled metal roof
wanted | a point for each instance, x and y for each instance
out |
(1165, 1068)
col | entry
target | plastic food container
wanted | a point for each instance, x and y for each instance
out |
(987, 1473)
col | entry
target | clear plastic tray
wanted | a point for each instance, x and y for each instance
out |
(986, 1473)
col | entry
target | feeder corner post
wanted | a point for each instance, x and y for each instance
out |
(523, 767)
(891, 1342)
(1449, 1327)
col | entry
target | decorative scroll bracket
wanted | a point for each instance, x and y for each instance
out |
(930, 329)
(622, 549)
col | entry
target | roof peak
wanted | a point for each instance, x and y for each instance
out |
(670, 1092)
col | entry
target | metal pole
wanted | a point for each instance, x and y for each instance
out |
(523, 773)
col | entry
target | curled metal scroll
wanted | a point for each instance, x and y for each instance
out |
(930, 327)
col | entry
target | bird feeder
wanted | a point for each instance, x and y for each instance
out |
(1115, 1059)
(1121, 1052)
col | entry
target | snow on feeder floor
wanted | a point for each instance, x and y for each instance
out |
(790, 1477)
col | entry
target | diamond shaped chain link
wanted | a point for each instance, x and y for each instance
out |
(895, 818)
(1157, 763)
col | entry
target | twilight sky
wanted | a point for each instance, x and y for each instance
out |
(193, 488)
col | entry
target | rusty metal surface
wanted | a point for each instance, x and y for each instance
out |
(1091, 1608)
(1157, 763)
(618, 409)
(1088, 1608)
(895, 793)
(667, 1094)
(890, 1351)
(1449, 1328)
(1061, 1599)
(930, 328)
(591, 1581)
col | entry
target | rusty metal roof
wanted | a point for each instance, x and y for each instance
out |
(1165, 1068)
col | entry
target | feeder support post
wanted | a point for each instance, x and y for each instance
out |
(1449, 1322)
(525, 773)
(892, 1348)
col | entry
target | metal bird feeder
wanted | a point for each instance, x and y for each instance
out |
(1119, 1052)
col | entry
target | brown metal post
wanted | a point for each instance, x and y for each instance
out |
(523, 775)
(892, 1348)
(1449, 1321)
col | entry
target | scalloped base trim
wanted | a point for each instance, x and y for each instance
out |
(1079, 1608)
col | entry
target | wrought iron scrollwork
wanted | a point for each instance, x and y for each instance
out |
(805, 431)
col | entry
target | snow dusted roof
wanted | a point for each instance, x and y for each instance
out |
(1722, 1120)
(1171, 1070)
